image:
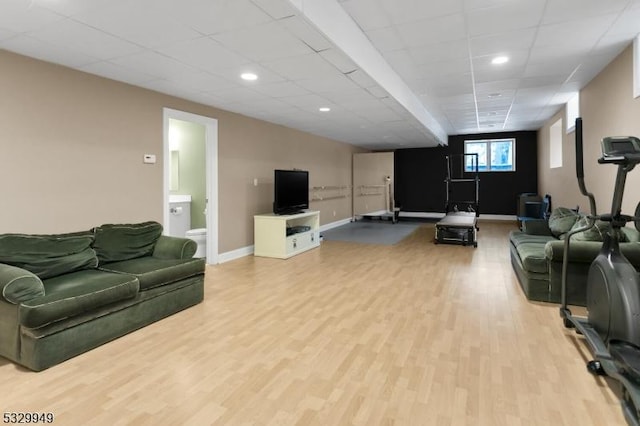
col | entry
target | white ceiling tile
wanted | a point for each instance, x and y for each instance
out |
(139, 22)
(84, 39)
(305, 33)
(304, 66)
(215, 17)
(22, 16)
(71, 8)
(385, 39)
(281, 89)
(428, 44)
(339, 60)
(502, 42)
(571, 10)
(277, 9)
(505, 16)
(38, 49)
(369, 15)
(204, 53)
(154, 64)
(334, 82)
(362, 79)
(441, 52)
(116, 72)
(265, 42)
(439, 30)
(7, 34)
(309, 101)
(577, 35)
(401, 11)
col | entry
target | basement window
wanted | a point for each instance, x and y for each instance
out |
(494, 155)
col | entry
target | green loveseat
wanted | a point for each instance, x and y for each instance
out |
(64, 294)
(537, 253)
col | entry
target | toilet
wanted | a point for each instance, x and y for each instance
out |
(199, 235)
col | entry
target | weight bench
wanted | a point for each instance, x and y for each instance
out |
(457, 228)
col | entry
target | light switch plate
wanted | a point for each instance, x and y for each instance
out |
(149, 159)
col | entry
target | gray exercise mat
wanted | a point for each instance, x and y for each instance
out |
(372, 232)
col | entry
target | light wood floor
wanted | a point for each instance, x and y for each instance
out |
(412, 334)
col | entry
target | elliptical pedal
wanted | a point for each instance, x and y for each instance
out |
(627, 359)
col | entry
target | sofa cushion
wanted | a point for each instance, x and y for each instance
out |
(19, 284)
(75, 293)
(519, 237)
(153, 272)
(532, 256)
(596, 233)
(48, 255)
(114, 243)
(562, 220)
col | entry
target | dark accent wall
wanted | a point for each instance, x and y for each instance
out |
(420, 174)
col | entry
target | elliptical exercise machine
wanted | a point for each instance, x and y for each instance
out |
(612, 326)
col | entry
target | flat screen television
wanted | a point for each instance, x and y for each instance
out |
(291, 191)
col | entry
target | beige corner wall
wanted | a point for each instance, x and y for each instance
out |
(608, 108)
(370, 189)
(72, 146)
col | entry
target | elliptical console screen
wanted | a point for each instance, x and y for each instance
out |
(616, 146)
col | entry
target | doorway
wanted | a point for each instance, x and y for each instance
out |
(172, 170)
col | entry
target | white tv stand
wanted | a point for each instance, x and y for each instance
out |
(271, 239)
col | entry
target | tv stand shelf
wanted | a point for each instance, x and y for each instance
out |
(271, 239)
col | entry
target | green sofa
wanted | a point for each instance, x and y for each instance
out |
(537, 254)
(65, 294)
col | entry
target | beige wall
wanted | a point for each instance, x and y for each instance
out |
(370, 186)
(72, 146)
(608, 108)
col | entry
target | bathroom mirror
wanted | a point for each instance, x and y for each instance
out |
(175, 171)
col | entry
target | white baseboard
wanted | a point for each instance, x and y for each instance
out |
(332, 225)
(235, 254)
(438, 215)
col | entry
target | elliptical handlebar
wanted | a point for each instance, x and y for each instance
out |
(580, 168)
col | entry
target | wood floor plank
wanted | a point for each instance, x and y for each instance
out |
(362, 334)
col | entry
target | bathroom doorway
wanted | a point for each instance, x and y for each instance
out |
(191, 170)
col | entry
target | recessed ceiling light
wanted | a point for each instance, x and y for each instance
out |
(494, 95)
(499, 60)
(324, 109)
(249, 76)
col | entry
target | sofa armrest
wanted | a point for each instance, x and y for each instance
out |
(19, 285)
(174, 248)
(536, 227)
(586, 251)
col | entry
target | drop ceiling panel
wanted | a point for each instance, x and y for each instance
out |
(215, 17)
(571, 10)
(22, 16)
(505, 16)
(431, 31)
(440, 52)
(503, 42)
(204, 53)
(579, 36)
(83, 39)
(139, 22)
(45, 51)
(196, 49)
(402, 11)
(265, 42)
(281, 89)
(303, 66)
